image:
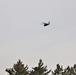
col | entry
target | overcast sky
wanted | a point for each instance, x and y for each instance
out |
(23, 36)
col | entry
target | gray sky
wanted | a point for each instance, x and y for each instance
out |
(22, 35)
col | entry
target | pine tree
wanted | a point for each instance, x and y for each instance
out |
(70, 70)
(40, 69)
(58, 70)
(18, 69)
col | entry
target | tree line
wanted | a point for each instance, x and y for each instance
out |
(20, 69)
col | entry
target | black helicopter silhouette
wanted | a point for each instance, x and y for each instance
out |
(46, 24)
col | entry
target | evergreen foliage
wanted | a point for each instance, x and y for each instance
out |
(40, 69)
(58, 70)
(67, 71)
(18, 69)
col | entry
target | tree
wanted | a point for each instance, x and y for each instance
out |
(40, 69)
(18, 69)
(58, 70)
(67, 71)
(70, 70)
